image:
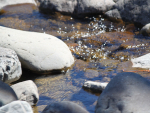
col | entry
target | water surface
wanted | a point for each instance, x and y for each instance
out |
(101, 48)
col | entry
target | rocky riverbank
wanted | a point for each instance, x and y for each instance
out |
(73, 51)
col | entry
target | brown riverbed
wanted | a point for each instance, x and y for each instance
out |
(101, 47)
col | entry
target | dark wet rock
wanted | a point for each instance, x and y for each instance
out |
(16, 107)
(132, 10)
(66, 6)
(4, 3)
(146, 30)
(64, 107)
(79, 8)
(126, 93)
(10, 66)
(7, 94)
(26, 91)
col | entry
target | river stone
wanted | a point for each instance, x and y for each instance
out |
(10, 66)
(4, 3)
(146, 30)
(64, 107)
(141, 62)
(38, 52)
(126, 93)
(16, 107)
(7, 94)
(98, 86)
(26, 91)
(132, 10)
(93, 6)
(77, 7)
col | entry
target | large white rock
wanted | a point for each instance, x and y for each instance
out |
(37, 51)
(10, 66)
(26, 91)
(141, 62)
(4, 3)
(16, 107)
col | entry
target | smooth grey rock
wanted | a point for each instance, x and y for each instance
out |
(66, 6)
(38, 52)
(10, 66)
(95, 85)
(16, 107)
(26, 91)
(114, 14)
(64, 107)
(146, 30)
(7, 94)
(142, 61)
(85, 7)
(4, 3)
(126, 93)
(77, 7)
(131, 10)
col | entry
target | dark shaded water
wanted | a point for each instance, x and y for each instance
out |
(102, 48)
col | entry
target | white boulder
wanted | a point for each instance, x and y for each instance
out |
(141, 62)
(16, 107)
(4, 3)
(38, 52)
(26, 91)
(10, 66)
(95, 85)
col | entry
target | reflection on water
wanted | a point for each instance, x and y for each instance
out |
(101, 47)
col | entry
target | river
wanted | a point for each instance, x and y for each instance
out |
(101, 48)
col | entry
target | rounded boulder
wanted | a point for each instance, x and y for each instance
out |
(7, 94)
(38, 52)
(126, 93)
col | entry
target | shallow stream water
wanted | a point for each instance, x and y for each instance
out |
(101, 48)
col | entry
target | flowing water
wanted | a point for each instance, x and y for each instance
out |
(101, 48)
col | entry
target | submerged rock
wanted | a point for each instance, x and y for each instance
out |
(7, 94)
(126, 93)
(79, 8)
(64, 107)
(131, 10)
(4, 3)
(16, 107)
(10, 66)
(26, 91)
(38, 52)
